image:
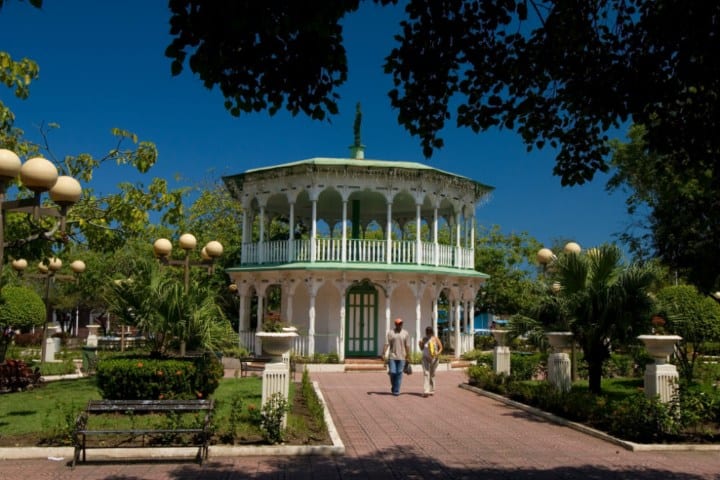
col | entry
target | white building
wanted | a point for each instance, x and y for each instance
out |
(354, 262)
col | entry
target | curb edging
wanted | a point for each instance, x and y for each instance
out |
(632, 446)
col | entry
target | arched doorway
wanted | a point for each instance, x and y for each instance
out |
(361, 321)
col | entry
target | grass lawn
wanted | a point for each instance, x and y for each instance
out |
(46, 415)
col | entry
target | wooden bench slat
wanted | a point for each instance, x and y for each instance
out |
(143, 406)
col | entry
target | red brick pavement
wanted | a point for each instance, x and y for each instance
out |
(455, 434)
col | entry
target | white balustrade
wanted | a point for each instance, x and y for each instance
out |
(276, 251)
(358, 251)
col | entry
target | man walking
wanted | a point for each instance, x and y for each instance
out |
(397, 350)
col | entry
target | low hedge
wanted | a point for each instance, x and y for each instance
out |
(137, 378)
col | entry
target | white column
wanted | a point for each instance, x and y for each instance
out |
(472, 235)
(259, 313)
(456, 263)
(261, 245)
(243, 249)
(289, 306)
(291, 234)
(418, 241)
(313, 236)
(388, 234)
(344, 231)
(435, 315)
(311, 327)
(343, 313)
(436, 245)
(242, 319)
(469, 316)
(458, 346)
(418, 320)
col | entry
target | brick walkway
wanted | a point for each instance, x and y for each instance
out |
(454, 435)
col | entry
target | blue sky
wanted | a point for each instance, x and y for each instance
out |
(102, 65)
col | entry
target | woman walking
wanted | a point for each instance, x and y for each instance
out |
(431, 347)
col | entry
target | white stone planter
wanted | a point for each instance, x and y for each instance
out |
(559, 340)
(276, 344)
(500, 336)
(660, 346)
(661, 378)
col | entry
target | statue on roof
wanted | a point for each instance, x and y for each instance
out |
(357, 149)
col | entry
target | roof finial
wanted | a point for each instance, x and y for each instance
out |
(357, 150)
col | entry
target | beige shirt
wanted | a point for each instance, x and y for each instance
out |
(397, 342)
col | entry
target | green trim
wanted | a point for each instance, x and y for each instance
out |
(360, 310)
(361, 267)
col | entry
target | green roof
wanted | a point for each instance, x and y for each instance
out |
(359, 163)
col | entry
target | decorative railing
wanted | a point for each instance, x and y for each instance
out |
(402, 252)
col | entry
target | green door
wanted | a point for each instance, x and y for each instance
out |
(361, 322)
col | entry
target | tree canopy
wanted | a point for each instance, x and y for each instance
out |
(559, 73)
(675, 207)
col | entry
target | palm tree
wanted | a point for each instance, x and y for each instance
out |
(156, 302)
(606, 300)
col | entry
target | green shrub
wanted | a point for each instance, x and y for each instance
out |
(524, 367)
(644, 420)
(484, 342)
(312, 401)
(619, 365)
(483, 377)
(21, 307)
(60, 368)
(149, 378)
(711, 348)
(271, 418)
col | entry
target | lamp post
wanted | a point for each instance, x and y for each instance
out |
(48, 273)
(38, 175)
(212, 250)
(546, 258)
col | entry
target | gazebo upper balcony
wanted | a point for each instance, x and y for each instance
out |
(365, 251)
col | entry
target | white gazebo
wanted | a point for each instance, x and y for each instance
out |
(330, 245)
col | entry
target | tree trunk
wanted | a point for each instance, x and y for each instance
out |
(595, 376)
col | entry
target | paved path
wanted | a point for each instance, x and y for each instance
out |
(454, 435)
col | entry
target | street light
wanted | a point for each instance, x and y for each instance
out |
(38, 175)
(546, 257)
(48, 272)
(213, 249)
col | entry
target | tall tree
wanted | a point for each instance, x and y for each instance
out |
(561, 73)
(607, 302)
(693, 316)
(676, 208)
(507, 259)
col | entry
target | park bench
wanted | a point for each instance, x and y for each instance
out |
(135, 436)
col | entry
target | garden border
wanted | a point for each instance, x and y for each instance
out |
(66, 453)
(632, 446)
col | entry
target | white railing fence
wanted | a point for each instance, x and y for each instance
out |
(402, 252)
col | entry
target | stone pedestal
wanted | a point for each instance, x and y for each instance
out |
(661, 378)
(52, 344)
(92, 338)
(661, 381)
(501, 360)
(559, 371)
(276, 379)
